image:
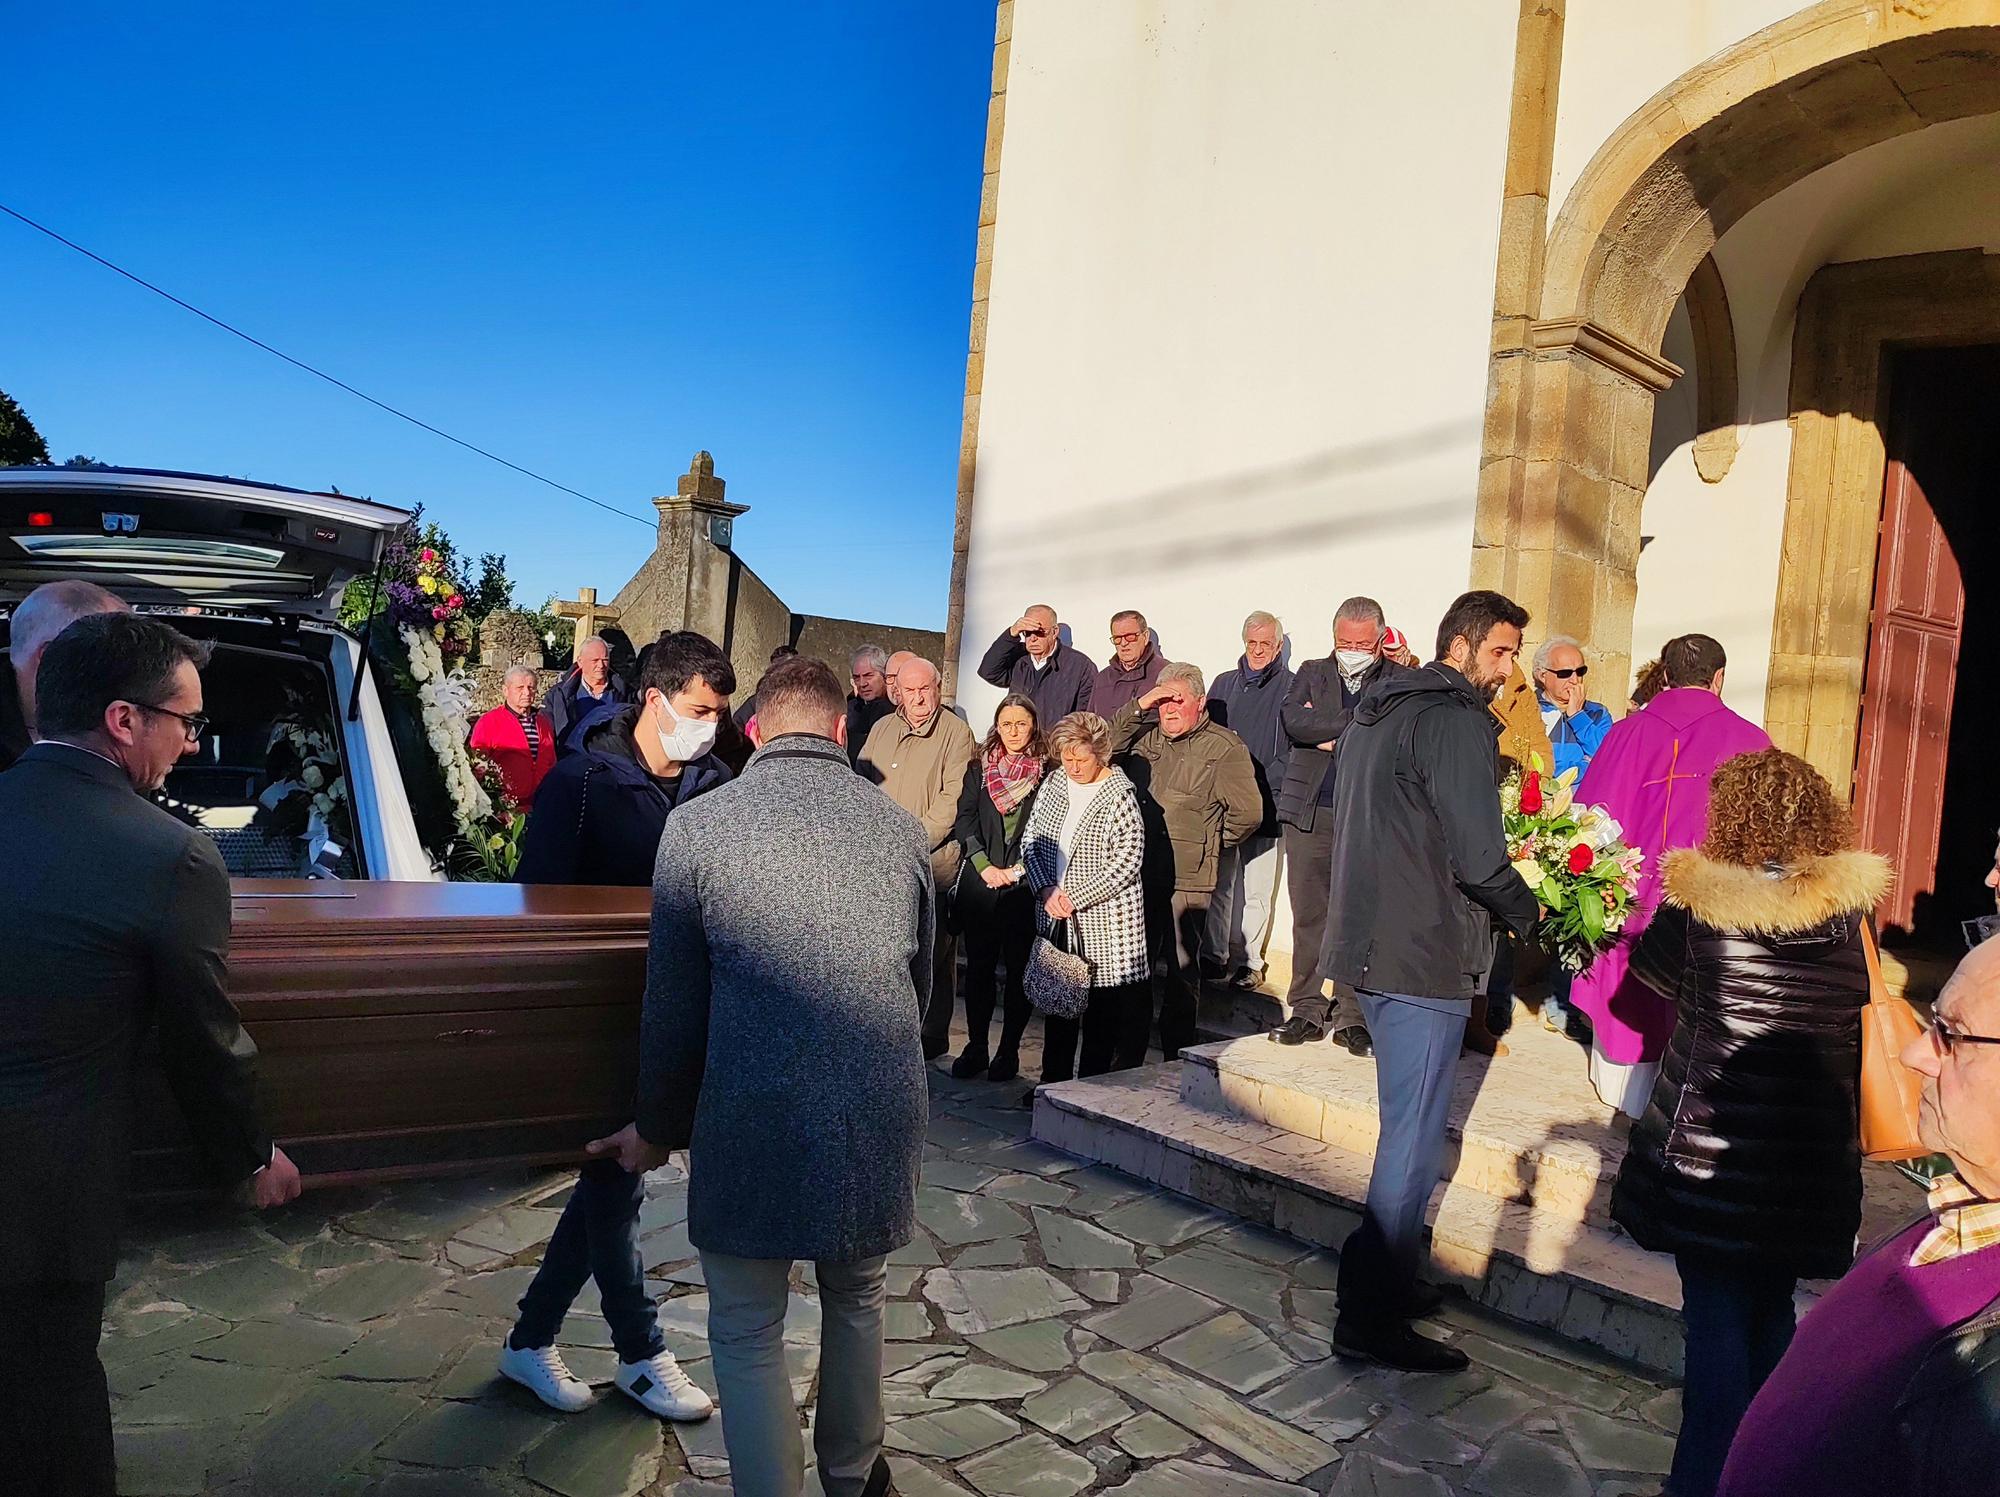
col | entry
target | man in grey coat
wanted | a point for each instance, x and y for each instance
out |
(790, 961)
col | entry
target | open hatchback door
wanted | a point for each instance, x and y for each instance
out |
(171, 539)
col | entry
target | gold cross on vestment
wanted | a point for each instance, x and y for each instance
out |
(587, 612)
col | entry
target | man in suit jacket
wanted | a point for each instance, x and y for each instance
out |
(791, 955)
(118, 920)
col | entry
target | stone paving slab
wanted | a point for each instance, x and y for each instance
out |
(1058, 1331)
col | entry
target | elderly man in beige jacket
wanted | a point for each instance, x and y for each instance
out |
(918, 755)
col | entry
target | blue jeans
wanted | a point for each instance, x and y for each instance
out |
(1739, 1320)
(597, 1238)
(1417, 1043)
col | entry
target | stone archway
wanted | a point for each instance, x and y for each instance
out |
(1570, 397)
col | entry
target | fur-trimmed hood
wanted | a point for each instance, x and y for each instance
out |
(1727, 896)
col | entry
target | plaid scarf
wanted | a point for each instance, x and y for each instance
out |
(1010, 778)
(1966, 1222)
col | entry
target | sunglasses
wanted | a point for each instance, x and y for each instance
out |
(1126, 639)
(1579, 671)
(1980, 930)
(1034, 634)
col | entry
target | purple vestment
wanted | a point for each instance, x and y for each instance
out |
(1652, 774)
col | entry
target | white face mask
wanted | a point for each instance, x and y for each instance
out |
(1353, 662)
(690, 738)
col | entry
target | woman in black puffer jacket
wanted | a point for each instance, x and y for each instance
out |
(1747, 1164)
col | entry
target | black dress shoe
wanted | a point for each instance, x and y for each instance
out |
(1396, 1345)
(1298, 1030)
(1355, 1038)
(1006, 1066)
(970, 1063)
(1425, 1299)
(879, 1483)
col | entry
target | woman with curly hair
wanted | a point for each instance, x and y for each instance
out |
(1651, 773)
(1746, 1164)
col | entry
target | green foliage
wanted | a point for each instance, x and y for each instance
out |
(19, 441)
(493, 592)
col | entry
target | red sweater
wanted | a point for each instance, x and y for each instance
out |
(500, 736)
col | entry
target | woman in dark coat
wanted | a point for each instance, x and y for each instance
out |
(994, 906)
(1746, 1165)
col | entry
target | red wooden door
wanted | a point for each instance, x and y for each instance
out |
(1913, 644)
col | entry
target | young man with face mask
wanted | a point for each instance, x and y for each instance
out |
(597, 820)
(1419, 874)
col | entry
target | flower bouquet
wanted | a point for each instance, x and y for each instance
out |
(1574, 858)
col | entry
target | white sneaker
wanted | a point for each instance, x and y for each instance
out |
(541, 1371)
(663, 1389)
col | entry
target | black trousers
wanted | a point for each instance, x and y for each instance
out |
(1179, 924)
(1115, 1029)
(55, 1410)
(1308, 879)
(997, 930)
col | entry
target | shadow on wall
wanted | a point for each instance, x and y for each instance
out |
(1089, 526)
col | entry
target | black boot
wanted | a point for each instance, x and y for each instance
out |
(1298, 1030)
(1396, 1345)
(970, 1063)
(1425, 1299)
(1006, 1064)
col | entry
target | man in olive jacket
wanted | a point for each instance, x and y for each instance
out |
(918, 755)
(1419, 873)
(791, 954)
(1203, 784)
(118, 923)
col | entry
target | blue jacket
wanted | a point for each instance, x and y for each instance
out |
(1575, 739)
(568, 708)
(599, 814)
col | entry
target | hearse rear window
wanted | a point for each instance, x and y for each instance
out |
(269, 781)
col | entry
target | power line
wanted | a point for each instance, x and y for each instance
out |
(319, 373)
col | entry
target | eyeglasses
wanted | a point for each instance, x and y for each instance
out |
(1980, 930)
(1944, 1036)
(195, 723)
(1579, 671)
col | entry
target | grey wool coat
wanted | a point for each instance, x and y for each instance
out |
(790, 961)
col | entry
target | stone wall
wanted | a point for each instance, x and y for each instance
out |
(507, 640)
(834, 640)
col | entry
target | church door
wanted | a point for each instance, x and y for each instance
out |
(1922, 753)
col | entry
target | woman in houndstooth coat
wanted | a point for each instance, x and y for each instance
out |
(1084, 847)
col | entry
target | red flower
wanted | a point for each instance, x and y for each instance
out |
(428, 555)
(1531, 793)
(1581, 858)
(437, 613)
(456, 600)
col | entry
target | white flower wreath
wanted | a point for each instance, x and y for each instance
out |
(446, 702)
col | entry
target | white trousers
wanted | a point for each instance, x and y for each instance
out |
(1245, 903)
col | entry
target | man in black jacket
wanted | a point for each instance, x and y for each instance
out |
(118, 922)
(868, 703)
(585, 686)
(1250, 702)
(1420, 871)
(597, 820)
(1032, 659)
(1317, 711)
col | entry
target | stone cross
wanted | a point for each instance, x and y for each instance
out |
(587, 612)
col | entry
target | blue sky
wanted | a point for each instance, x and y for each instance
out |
(592, 238)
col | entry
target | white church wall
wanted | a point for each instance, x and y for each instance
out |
(1241, 292)
(1711, 563)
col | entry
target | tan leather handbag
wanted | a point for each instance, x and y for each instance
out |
(1890, 1091)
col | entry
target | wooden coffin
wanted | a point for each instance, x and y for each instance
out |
(411, 1028)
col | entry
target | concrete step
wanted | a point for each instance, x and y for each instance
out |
(1526, 1128)
(1580, 1281)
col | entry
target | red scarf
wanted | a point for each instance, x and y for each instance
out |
(1010, 778)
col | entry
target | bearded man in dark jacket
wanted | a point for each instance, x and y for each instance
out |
(1420, 871)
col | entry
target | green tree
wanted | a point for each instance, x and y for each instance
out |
(493, 591)
(19, 441)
